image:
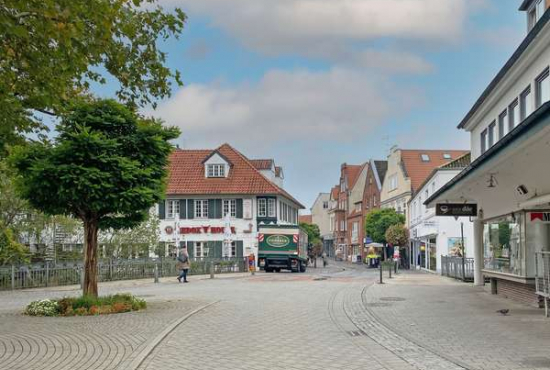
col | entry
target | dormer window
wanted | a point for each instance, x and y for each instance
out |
(425, 158)
(535, 11)
(447, 156)
(215, 170)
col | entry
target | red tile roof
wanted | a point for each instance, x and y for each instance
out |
(418, 170)
(307, 219)
(186, 175)
(353, 172)
(262, 164)
(334, 192)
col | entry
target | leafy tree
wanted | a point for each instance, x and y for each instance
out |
(397, 235)
(378, 221)
(107, 167)
(11, 205)
(53, 50)
(132, 242)
(11, 251)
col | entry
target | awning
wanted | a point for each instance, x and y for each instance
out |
(374, 245)
(493, 180)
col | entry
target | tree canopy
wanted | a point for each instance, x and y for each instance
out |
(54, 50)
(378, 221)
(106, 167)
(397, 235)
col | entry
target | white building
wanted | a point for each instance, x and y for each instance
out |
(206, 185)
(321, 218)
(433, 236)
(508, 178)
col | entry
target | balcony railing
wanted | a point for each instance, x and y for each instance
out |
(457, 268)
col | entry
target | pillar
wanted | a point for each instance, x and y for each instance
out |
(478, 253)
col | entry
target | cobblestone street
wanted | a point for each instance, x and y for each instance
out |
(324, 319)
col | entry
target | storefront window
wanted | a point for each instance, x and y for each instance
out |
(433, 254)
(503, 244)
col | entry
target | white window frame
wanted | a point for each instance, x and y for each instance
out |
(393, 182)
(262, 207)
(229, 206)
(215, 170)
(483, 141)
(201, 208)
(425, 157)
(513, 115)
(271, 207)
(172, 208)
(491, 134)
(201, 250)
(525, 103)
(542, 83)
(503, 124)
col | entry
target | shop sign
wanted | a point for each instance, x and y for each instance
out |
(540, 217)
(169, 230)
(456, 210)
(205, 230)
(277, 241)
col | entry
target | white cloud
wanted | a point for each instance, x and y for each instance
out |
(337, 105)
(273, 26)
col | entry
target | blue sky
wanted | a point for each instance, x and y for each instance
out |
(315, 83)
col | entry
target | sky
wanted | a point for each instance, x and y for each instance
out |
(316, 83)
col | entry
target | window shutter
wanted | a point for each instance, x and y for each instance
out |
(219, 249)
(211, 208)
(239, 208)
(162, 210)
(191, 249)
(239, 248)
(219, 210)
(191, 209)
(183, 209)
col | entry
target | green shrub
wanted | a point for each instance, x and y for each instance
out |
(45, 307)
(86, 305)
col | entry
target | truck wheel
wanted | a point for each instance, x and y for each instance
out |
(302, 267)
(268, 269)
(277, 270)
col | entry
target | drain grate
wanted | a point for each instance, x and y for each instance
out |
(392, 299)
(356, 333)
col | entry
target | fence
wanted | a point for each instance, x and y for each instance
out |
(542, 277)
(451, 266)
(46, 274)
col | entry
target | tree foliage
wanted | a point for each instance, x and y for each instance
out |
(11, 251)
(312, 231)
(107, 167)
(397, 235)
(53, 50)
(138, 241)
(378, 221)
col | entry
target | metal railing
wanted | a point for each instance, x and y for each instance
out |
(49, 274)
(451, 266)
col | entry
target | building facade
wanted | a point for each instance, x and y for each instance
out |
(211, 192)
(320, 216)
(356, 215)
(508, 178)
(433, 236)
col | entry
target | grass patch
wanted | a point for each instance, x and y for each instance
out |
(86, 305)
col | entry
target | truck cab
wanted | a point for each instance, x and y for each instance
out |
(282, 248)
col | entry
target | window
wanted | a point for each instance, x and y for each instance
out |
(425, 158)
(230, 250)
(540, 8)
(513, 115)
(201, 209)
(532, 18)
(483, 141)
(173, 208)
(447, 156)
(355, 232)
(543, 88)
(491, 134)
(502, 244)
(201, 250)
(393, 182)
(433, 187)
(525, 104)
(374, 200)
(216, 170)
(230, 207)
(358, 207)
(325, 205)
(342, 225)
(262, 207)
(502, 128)
(271, 207)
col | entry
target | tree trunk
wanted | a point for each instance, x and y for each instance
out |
(90, 258)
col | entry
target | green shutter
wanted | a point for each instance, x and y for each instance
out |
(239, 208)
(162, 210)
(239, 248)
(211, 208)
(219, 209)
(183, 209)
(191, 249)
(215, 249)
(191, 209)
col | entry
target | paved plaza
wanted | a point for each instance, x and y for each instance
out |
(333, 318)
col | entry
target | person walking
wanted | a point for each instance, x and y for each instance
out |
(183, 264)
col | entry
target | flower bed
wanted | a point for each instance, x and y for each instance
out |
(86, 306)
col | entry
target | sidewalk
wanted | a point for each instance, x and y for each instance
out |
(458, 321)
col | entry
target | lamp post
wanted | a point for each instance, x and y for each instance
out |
(463, 252)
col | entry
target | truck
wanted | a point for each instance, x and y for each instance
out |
(282, 247)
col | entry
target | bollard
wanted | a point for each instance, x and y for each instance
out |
(156, 273)
(12, 277)
(381, 281)
(389, 269)
(395, 267)
(211, 269)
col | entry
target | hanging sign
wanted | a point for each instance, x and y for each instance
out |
(456, 210)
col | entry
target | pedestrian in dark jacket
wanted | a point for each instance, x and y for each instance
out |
(183, 264)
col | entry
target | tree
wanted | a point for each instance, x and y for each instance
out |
(397, 235)
(131, 242)
(53, 50)
(107, 167)
(378, 221)
(11, 205)
(11, 251)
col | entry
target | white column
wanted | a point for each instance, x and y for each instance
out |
(478, 253)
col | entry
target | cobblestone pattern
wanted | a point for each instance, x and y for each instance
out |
(460, 322)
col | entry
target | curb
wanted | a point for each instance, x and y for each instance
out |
(143, 354)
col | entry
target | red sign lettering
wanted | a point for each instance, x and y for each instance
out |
(206, 230)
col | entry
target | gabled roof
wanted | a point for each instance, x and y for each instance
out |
(186, 175)
(262, 164)
(335, 192)
(458, 164)
(352, 172)
(307, 219)
(381, 167)
(418, 170)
